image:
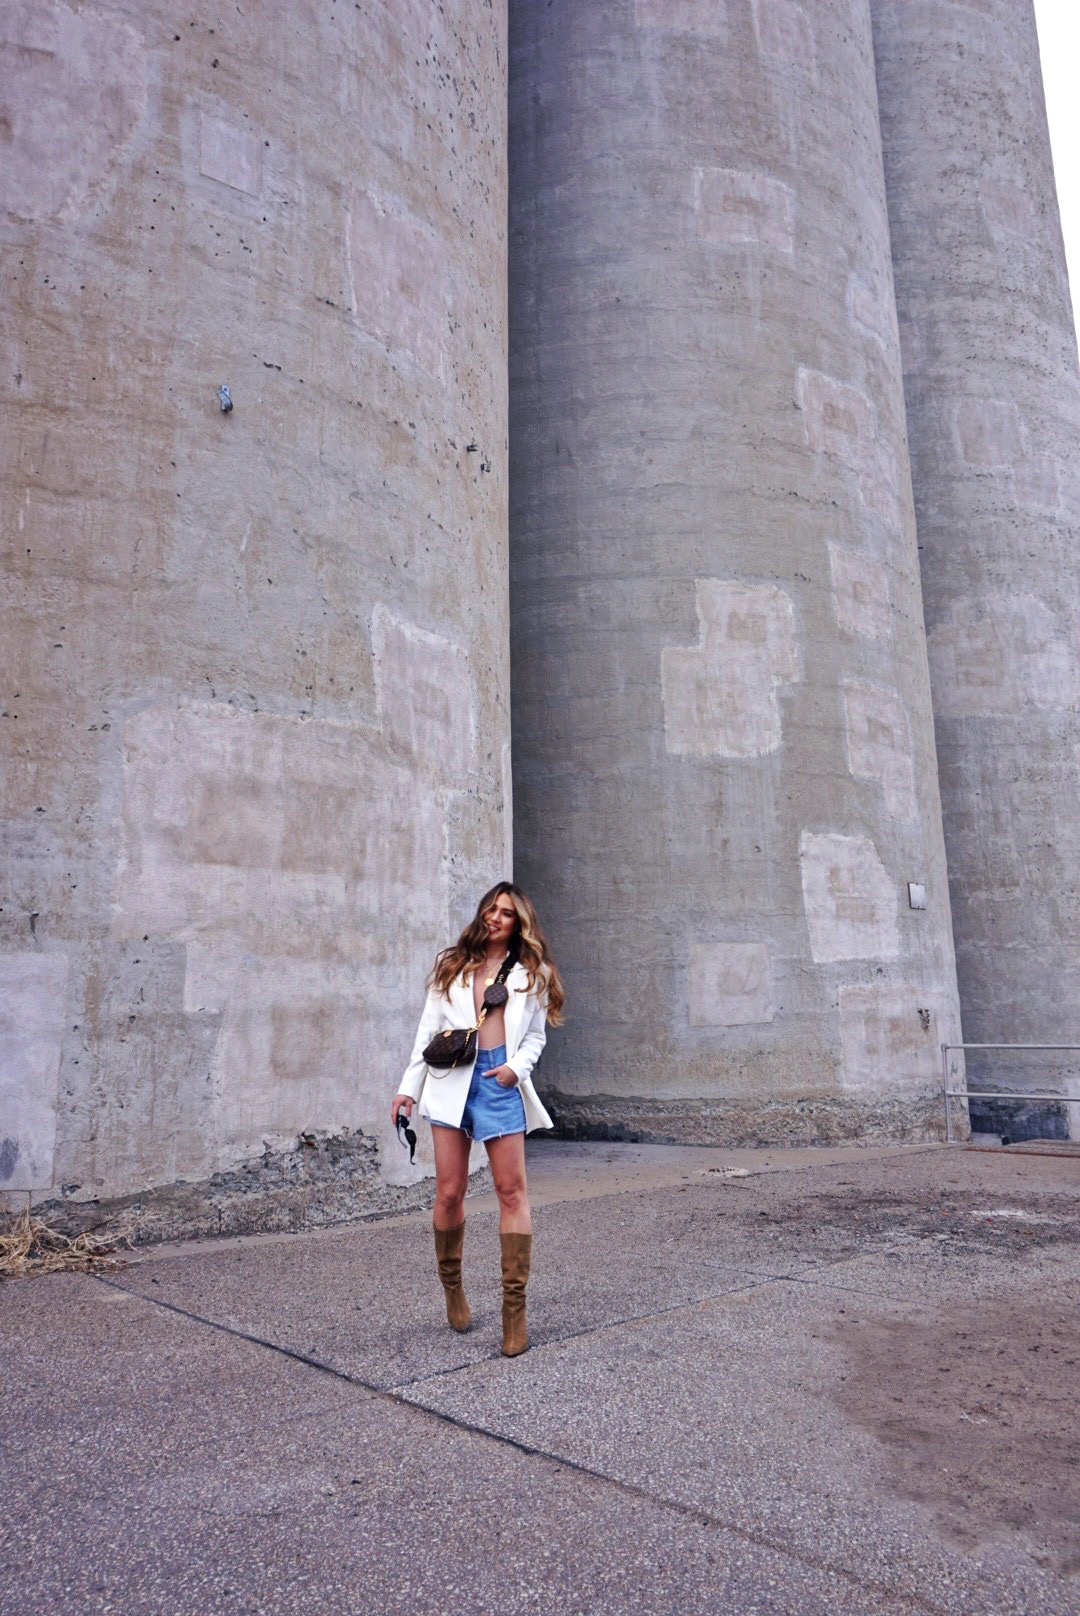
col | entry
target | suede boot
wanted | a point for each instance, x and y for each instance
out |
(516, 1256)
(448, 1247)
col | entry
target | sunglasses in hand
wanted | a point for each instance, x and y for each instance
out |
(409, 1141)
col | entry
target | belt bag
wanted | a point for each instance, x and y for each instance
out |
(456, 1046)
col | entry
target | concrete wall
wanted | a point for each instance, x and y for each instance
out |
(724, 751)
(993, 399)
(255, 675)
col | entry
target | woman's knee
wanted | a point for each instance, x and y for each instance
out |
(511, 1192)
(450, 1194)
(450, 1186)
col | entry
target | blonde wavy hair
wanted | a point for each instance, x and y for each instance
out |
(528, 945)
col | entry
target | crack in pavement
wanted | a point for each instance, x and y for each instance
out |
(703, 1517)
(591, 1329)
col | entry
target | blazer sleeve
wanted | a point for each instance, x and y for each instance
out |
(415, 1077)
(532, 1042)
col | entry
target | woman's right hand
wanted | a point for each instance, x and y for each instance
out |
(401, 1102)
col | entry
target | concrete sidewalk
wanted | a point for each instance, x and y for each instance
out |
(845, 1383)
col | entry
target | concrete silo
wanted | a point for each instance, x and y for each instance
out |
(255, 673)
(993, 403)
(724, 754)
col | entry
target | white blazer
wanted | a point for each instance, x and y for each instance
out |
(442, 1092)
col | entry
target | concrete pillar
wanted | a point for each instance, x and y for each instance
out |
(993, 401)
(255, 672)
(724, 751)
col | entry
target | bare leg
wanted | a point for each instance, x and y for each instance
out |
(507, 1158)
(451, 1176)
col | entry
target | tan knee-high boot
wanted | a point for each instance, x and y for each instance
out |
(448, 1248)
(516, 1257)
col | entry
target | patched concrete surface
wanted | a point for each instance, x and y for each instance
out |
(66, 68)
(734, 207)
(400, 279)
(872, 307)
(720, 697)
(861, 596)
(879, 745)
(888, 1024)
(785, 33)
(993, 407)
(850, 898)
(841, 423)
(835, 1382)
(988, 432)
(716, 622)
(1004, 656)
(230, 154)
(730, 983)
(254, 705)
(31, 1039)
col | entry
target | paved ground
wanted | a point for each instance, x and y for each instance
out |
(845, 1383)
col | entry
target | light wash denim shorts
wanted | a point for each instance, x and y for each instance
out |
(490, 1110)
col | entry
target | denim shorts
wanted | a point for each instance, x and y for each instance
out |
(490, 1110)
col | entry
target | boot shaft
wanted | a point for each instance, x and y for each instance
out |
(516, 1262)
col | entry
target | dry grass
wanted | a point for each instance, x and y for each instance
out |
(28, 1246)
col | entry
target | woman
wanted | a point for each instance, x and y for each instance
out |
(491, 1098)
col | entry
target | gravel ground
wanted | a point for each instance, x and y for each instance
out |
(841, 1381)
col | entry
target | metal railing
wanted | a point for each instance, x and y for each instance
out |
(996, 1094)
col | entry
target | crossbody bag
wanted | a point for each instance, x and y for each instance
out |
(456, 1046)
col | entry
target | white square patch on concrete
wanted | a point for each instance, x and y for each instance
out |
(734, 207)
(785, 33)
(890, 1037)
(400, 278)
(730, 984)
(32, 1010)
(229, 155)
(720, 695)
(424, 693)
(860, 594)
(879, 745)
(849, 897)
(989, 432)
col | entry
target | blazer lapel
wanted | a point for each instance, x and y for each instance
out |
(515, 1008)
(461, 1002)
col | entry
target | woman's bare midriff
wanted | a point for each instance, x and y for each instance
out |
(493, 1027)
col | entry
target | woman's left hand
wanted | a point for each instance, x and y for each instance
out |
(505, 1076)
